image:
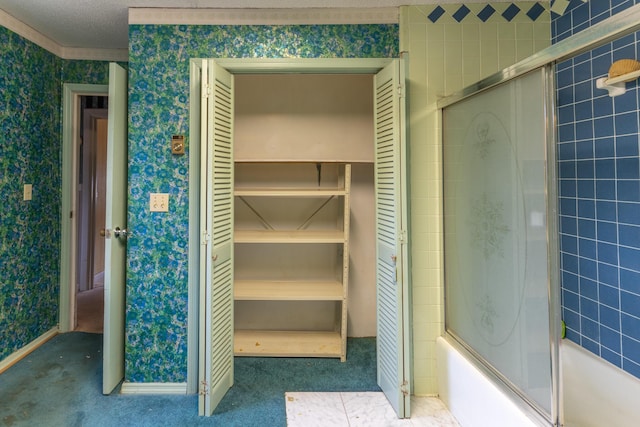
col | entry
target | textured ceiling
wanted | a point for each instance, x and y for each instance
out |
(102, 24)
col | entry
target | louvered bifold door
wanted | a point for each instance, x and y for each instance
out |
(391, 237)
(217, 238)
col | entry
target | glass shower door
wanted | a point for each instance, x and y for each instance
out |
(496, 239)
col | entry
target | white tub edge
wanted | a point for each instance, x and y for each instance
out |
(470, 396)
(607, 396)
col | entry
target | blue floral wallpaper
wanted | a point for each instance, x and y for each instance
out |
(29, 230)
(30, 133)
(156, 331)
(86, 72)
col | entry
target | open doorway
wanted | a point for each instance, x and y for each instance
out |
(91, 161)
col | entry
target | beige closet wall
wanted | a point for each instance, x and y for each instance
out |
(444, 57)
(316, 118)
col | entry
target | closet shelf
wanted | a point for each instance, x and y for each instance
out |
(276, 290)
(287, 343)
(292, 259)
(289, 192)
(289, 236)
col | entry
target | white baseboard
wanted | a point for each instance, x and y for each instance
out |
(153, 388)
(18, 355)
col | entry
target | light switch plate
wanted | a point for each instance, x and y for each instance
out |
(28, 192)
(177, 144)
(159, 202)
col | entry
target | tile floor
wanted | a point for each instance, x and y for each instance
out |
(355, 409)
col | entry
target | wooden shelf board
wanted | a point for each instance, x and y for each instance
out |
(289, 192)
(271, 290)
(289, 236)
(287, 343)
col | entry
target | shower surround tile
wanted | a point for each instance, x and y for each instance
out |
(445, 56)
(599, 190)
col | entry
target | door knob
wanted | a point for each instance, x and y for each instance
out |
(103, 232)
(120, 233)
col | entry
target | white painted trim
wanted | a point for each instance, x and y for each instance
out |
(121, 55)
(298, 16)
(18, 355)
(153, 388)
(29, 33)
(34, 36)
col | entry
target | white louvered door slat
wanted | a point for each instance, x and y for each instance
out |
(391, 231)
(217, 238)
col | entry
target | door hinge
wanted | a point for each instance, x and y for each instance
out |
(403, 237)
(205, 237)
(207, 91)
(204, 388)
(404, 388)
(401, 91)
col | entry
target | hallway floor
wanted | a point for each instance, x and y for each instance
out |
(90, 310)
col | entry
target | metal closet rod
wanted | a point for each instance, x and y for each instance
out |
(610, 29)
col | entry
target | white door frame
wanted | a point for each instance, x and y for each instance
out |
(239, 66)
(68, 228)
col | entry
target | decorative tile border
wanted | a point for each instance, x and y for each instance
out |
(488, 12)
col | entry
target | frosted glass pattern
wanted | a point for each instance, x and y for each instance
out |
(496, 275)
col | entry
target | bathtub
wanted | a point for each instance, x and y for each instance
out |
(607, 396)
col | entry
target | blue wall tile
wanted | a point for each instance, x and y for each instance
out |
(628, 213)
(611, 183)
(626, 145)
(608, 274)
(607, 231)
(630, 329)
(586, 209)
(629, 235)
(630, 280)
(610, 317)
(611, 357)
(608, 253)
(610, 339)
(609, 296)
(606, 210)
(626, 123)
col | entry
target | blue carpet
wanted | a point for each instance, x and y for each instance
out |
(60, 384)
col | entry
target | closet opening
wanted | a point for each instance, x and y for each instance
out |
(297, 124)
(300, 132)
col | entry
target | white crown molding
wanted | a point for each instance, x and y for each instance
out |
(319, 16)
(25, 31)
(95, 54)
(34, 36)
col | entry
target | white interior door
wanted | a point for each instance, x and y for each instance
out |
(392, 271)
(216, 225)
(115, 231)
